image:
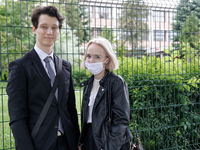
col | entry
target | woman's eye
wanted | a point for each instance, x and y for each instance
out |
(88, 56)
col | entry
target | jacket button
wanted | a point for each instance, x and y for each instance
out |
(56, 127)
(102, 89)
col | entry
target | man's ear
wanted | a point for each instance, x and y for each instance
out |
(34, 29)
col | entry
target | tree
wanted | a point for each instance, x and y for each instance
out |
(78, 20)
(133, 23)
(66, 46)
(183, 11)
(15, 32)
(119, 46)
(108, 33)
(190, 32)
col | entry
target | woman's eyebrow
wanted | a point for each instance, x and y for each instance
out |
(95, 54)
(98, 55)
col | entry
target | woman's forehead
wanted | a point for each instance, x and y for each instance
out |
(96, 49)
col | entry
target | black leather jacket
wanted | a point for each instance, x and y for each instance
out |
(118, 134)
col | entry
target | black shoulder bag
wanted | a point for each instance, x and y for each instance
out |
(138, 145)
(48, 102)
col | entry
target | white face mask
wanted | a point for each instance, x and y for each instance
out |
(95, 68)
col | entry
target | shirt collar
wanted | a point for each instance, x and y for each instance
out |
(42, 54)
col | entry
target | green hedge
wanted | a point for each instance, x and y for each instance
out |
(164, 97)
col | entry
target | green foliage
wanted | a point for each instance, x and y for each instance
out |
(190, 32)
(108, 34)
(185, 9)
(15, 40)
(120, 47)
(164, 97)
(79, 75)
(186, 52)
(78, 20)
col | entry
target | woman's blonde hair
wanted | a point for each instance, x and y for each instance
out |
(113, 63)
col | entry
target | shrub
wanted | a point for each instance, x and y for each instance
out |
(164, 98)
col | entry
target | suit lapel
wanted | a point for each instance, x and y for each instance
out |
(40, 69)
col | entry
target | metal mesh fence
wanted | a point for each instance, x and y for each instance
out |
(157, 44)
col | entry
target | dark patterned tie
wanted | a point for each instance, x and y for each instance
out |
(50, 69)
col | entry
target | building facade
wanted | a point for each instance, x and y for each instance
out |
(159, 23)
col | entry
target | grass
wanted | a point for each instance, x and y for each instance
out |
(6, 137)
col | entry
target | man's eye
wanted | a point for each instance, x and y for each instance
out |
(97, 57)
(44, 27)
(55, 28)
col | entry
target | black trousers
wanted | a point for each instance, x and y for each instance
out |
(89, 143)
(62, 143)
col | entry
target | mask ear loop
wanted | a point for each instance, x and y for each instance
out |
(105, 60)
(105, 63)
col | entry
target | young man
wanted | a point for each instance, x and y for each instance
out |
(29, 86)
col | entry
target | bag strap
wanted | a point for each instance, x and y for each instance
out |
(48, 102)
(137, 135)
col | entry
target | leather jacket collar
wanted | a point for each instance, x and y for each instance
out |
(101, 82)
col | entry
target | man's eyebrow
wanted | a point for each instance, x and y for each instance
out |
(47, 24)
(55, 25)
(43, 24)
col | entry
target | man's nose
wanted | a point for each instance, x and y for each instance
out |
(49, 31)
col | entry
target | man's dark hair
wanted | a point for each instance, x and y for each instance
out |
(51, 11)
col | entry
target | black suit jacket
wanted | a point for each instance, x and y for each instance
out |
(28, 89)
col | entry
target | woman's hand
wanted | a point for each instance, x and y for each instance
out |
(79, 147)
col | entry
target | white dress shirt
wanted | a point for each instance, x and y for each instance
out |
(42, 56)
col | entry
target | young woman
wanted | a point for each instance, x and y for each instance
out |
(105, 105)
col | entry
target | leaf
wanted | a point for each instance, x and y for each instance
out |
(193, 82)
(182, 100)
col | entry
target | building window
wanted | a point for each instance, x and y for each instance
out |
(90, 11)
(97, 10)
(158, 16)
(118, 13)
(108, 13)
(98, 31)
(93, 32)
(103, 12)
(171, 35)
(159, 35)
(171, 16)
